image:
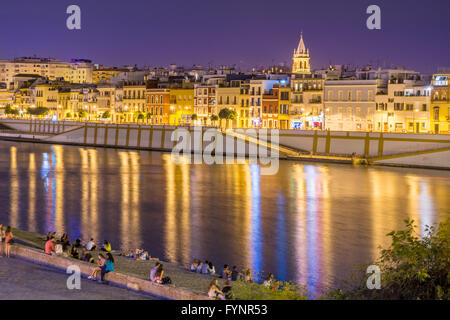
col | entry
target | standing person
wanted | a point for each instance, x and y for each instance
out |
(101, 264)
(2, 239)
(8, 241)
(235, 275)
(226, 272)
(248, 276)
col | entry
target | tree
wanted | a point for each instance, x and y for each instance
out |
(11, 110)
(106, 115)
(412, 268)
(227, 114)
(141, 116)
(82, 114)
(194, 117)
(68, 115)
(39, 111)
(214, 118)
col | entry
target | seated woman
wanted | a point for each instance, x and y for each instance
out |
(157, 273)
(59, 248)
(106, 246)
(74, 253)
(143, 256)
(268, 282)
(199, 267)
(108, 267)
(214, 292)
(77, 243)
(205, 266)
(194, 265)
(227, 290)
(211, 269)
(101, 264)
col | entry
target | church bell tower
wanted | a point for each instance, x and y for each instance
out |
(301, 59)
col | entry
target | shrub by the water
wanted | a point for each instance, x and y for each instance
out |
(412, 268)
(278, 290)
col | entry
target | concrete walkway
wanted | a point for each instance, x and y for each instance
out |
(23, 280)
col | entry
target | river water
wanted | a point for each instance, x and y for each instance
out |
(310, 223)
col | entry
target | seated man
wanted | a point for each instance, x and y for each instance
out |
(91, 245)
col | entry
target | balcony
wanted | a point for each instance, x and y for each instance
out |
(315, 100)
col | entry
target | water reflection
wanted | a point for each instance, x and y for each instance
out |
(32, 192)
(14, 188)
(177, 226)
(310, 223)
(130, 186)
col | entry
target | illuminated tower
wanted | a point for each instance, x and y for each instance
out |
(301, 59)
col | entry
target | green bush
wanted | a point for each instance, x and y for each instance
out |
(82, 114)
(11, 110)
(412, 268)
(39, 111)
(280, 291)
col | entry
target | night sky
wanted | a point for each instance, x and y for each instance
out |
(415, 33)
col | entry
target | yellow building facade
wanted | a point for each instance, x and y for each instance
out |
(181, 106)
(440, 104)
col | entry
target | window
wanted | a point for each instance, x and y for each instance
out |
(424, 107)
(436, 113)
(398, 106)
(409, 107)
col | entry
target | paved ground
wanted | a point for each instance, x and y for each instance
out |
(20, 279)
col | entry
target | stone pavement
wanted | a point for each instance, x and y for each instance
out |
(23, 280)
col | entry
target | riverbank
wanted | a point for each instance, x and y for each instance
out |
(128, 273)
(19, 280)
(360, 148)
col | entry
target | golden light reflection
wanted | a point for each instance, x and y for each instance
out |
(14, 188)
(58, 168)
(243, 188)
(130, 184)
(326, 222)
(89, 191)
(32, 193)
(299, 194)
(420, 202)
(177, 226)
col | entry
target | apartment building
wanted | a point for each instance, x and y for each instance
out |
(350, 105)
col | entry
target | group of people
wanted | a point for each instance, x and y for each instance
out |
(138, 254)
(104, 265)
(228, 275)
(206, 267)
(157, 274)
(6, 238)
(76, 250)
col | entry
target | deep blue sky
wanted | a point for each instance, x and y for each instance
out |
(415, 34)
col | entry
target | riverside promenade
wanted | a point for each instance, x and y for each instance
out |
(128, 273)
(24, 280)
